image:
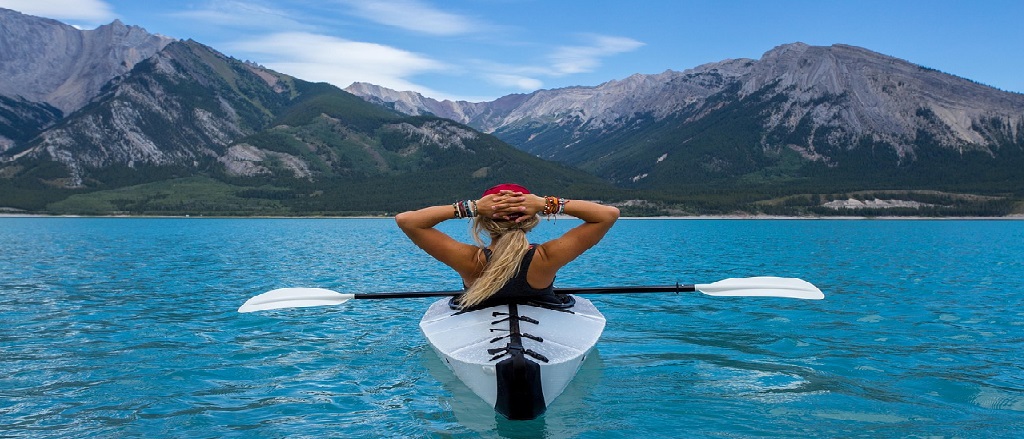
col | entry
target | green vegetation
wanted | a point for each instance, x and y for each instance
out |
(384, 195)
(185, 196)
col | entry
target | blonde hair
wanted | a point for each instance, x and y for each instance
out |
(510, 245)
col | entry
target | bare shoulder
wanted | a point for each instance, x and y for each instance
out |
(597, 220)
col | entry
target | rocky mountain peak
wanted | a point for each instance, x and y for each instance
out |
(50, 62)
(887, 98)
(407, 102)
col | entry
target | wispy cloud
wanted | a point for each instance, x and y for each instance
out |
(86, 12)
(519, 82)
(243, 14)
(314, 57)
(562, 61)
(414, 16)
(569, 60)
(288, 42)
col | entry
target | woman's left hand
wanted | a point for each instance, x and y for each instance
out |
(507, 205)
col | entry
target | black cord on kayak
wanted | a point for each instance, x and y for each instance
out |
(536, 355)
(529, 320)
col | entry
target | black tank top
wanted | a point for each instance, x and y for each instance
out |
(518, 290)
(518, 287)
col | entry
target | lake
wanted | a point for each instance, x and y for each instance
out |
(127, 327)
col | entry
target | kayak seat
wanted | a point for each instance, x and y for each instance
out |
(557, 301)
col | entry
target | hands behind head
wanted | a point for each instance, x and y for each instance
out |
(509, 205)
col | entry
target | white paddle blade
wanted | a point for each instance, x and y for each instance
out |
(294, 298)
(764, 286)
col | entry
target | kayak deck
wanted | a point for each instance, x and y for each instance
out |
(517, 357)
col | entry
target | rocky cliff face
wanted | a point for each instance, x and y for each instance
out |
(180, 107)
(20, 120)
(889, 99)
(43, 60)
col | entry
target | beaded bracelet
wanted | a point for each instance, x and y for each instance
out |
(464, 209)
(554, 205)
(550, 205)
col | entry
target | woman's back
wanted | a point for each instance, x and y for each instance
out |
(506, 213)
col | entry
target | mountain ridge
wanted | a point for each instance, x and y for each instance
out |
(835, 115)
(696, 84)
(792, 132)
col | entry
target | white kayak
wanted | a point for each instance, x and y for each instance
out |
(518, 357)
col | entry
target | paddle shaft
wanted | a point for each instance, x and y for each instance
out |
(583, 290)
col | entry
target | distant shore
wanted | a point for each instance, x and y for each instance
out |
(695, 217)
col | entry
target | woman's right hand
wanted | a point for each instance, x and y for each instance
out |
(487, 205)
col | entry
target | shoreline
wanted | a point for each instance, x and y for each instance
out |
(1016, 217)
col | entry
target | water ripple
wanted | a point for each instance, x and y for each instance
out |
(127, 328)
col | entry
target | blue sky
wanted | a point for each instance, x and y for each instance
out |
(479, 50)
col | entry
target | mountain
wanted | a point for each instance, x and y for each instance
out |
(831, 118)
(189, 129)
(49, 62)
(117, 120)
(51, 69)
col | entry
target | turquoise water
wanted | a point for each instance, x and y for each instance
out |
(128, 328)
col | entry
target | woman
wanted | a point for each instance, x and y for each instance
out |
(509, 267)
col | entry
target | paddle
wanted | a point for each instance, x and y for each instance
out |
(746, 287)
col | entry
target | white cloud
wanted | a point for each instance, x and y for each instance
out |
(415, 16)
(519, 82)
(568, 60)
(565, 61)
(92, 12)
(246, 14)
(322, 58)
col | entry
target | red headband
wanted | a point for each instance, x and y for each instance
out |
(506, 187)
